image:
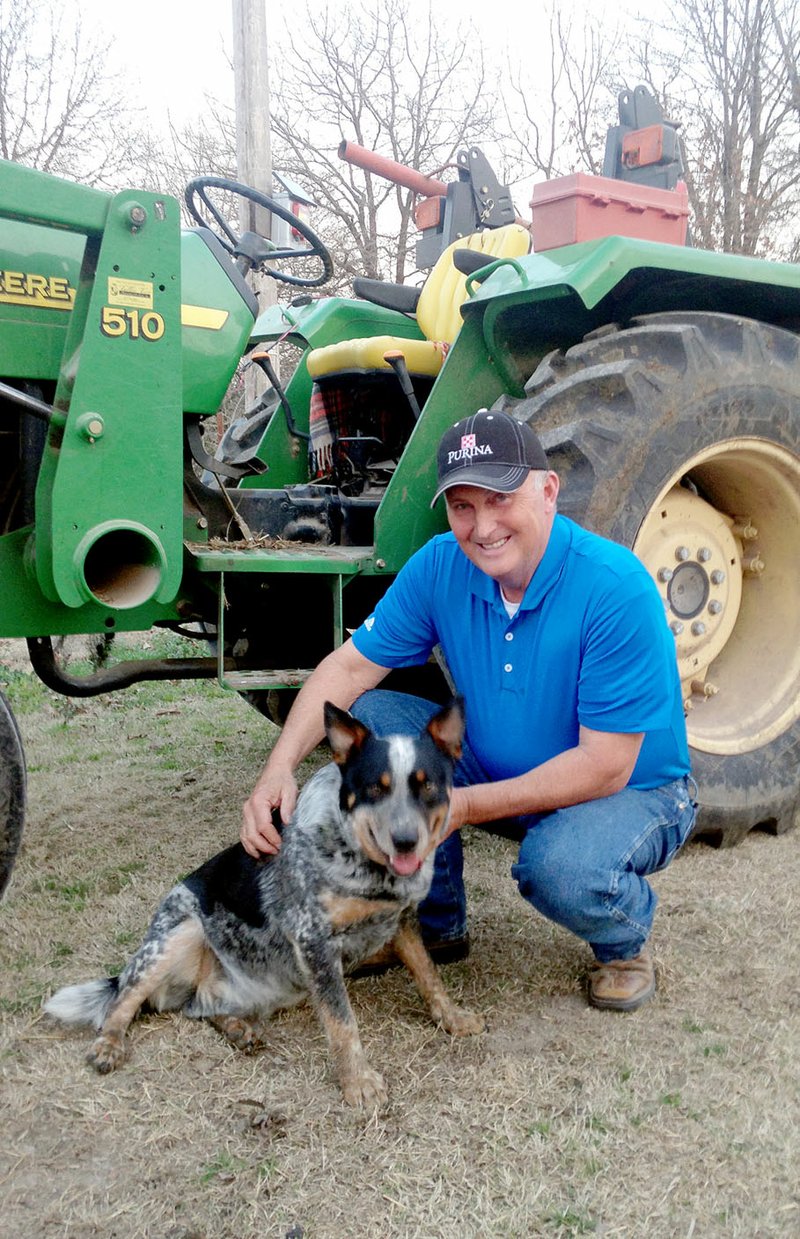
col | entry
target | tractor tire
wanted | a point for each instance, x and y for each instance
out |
(679, 436)
(12, 792)
(273, 703)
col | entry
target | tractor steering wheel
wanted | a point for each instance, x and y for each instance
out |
(233, 242)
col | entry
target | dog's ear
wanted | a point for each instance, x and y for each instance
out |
(447, 728)
(344, 732)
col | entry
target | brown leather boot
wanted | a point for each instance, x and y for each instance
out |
(622, 984)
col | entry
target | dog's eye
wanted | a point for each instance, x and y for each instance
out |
(429, 792)
(376, 791)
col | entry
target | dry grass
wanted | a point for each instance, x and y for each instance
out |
(681, 1120)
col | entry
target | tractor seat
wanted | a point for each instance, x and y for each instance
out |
(438, 313)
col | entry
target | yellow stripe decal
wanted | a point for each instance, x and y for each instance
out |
(203, 316)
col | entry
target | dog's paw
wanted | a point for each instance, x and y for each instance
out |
(107, 1053)
(365, 1089)
(246, 1035)
(460, 1022)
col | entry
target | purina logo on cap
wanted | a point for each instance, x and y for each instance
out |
(490, 450)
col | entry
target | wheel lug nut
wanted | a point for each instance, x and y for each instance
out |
(698, 628)
(681, 553)
(714, 606)
(677, 627)
(754, 565)
(704, 554)
(717, 576)
(665, 574)
(704, 689)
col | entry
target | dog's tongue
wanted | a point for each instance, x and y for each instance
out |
(405, 862)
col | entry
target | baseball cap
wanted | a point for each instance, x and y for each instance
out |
(490, 450)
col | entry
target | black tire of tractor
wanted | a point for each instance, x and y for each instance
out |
(694, 405)
(273, 703)
(12, 792)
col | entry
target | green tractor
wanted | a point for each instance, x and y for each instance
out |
(664, 382)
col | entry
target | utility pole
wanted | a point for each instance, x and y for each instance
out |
(253, 128)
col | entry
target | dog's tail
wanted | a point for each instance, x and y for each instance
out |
(88, 1003)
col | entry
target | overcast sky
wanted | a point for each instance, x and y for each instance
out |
(169, 53)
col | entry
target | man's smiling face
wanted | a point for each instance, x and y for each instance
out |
(505, 535)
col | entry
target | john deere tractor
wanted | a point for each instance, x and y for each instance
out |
(663, 380)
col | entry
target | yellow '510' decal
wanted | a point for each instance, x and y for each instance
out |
(136, 325)
(149, 325)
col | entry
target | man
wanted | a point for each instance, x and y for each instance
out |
(558, 641)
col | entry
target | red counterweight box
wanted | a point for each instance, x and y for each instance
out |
(584, 208)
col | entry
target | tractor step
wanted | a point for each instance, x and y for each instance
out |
(253, 681)
(337, 563)
(339, 560)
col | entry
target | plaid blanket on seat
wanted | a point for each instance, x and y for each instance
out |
(330, 405)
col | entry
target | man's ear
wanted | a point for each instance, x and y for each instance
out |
(344, 732)
(552, 485)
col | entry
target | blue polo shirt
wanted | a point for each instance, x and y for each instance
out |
(589, 645)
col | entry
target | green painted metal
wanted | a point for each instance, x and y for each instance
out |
(216, 326)
(38, 274)
(330, 319)
(553, 299)
(40, 198)
(325, 560)
(593, 268)
(25, 611)
(118, 486)
(40, 271)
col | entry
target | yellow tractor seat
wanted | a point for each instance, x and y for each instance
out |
(423, 357)
(438, 313)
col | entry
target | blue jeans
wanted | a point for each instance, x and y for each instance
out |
(583, 867)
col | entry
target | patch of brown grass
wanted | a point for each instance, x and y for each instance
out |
(680, 1120)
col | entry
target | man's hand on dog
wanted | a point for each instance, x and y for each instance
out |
(274, 790)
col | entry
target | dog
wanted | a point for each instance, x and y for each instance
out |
(238, 938)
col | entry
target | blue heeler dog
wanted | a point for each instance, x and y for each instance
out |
(238, 938)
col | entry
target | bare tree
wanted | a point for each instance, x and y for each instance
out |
(557, 118)
(727, 69)
(58, 110)
(365, 72)
(168, 162)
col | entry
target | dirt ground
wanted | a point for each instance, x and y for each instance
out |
(680, 1120)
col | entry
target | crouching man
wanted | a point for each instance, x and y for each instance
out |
(558, 641)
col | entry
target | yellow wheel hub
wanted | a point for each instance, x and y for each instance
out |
(722, 542)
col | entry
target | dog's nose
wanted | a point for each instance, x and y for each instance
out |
(405, 838)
